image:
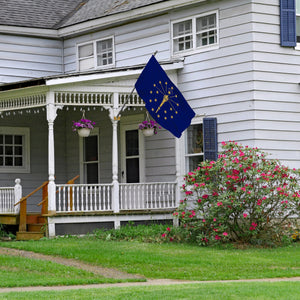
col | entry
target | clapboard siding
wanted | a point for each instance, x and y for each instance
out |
(28, 57)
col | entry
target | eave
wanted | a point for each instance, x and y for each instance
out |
(102, 22)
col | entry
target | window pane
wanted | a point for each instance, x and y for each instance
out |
(8, 139)
(1, 150)
(91, 148)
(1, 161)
(195, 139)
(18, 150)
(86, 64)
(132, 170)
(105, 52)
(18, 140)
(182, 28)
(206, 23)
(194, 161)
(298, 7)
(132, 142)
(8, 161)
(18, 161)
(1, 139)
(86, 50)
(8, 150)
(92, 173)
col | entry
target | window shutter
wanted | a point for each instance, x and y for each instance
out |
(288, 23)
(210, 139)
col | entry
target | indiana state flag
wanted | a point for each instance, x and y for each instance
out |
(163, 100)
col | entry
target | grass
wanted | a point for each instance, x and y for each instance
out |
(174, 261)
(225, 291)
(20, 271)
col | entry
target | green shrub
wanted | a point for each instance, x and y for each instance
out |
(242, 197)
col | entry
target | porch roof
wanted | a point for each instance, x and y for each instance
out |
(92, 88)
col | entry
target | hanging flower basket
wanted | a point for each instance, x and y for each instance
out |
(149, 127)
(84, 132)
(83, 126)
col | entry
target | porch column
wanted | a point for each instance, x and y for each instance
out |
(179, 166)
(51, 116)
(115, 192)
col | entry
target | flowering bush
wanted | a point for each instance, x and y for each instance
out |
(83, 123)
(147, 124)
(242, 197)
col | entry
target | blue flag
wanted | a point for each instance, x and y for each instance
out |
(163, 100)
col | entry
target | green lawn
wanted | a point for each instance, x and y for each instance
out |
(224, 291)
(174, 261)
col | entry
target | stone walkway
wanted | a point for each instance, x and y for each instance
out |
(106, 272)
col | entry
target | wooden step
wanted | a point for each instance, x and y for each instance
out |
(39, 227)
(26, 236)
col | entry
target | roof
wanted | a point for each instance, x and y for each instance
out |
(54, 14)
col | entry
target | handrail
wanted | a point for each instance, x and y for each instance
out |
(71, 181)
(33, 192)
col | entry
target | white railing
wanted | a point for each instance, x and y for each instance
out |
(139, 196)
(7, 200)
(83, 197)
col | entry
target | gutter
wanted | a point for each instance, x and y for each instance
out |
(101, 22)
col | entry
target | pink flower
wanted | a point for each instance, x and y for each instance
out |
(205, 196)
(259, 202)
(245, 215)
(203, 221)
(243, 189)
(225, 233)
(219, 203)
(163, 235)
(215, 219)
(188, 193)
(168, 229)
(217, 237)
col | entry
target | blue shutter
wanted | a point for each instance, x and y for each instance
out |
(210, 139)
(288, 23)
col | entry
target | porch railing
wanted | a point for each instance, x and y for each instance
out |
(83, 197)
(139, 196)
(7, 203)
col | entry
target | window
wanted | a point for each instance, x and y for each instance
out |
(96, 54)
(201, 143)
(14, 152)
(196, 33)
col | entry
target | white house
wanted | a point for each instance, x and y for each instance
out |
(237, 63)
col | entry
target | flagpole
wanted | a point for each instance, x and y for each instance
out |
(128, 96)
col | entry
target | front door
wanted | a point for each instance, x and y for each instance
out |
(132, 167)
(90, 158)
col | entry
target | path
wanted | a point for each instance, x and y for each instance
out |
(106, 272)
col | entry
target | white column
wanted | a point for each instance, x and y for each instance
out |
(18, 194)
(115, 165)
(51, 115)
(179, 167)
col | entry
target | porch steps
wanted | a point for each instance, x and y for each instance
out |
(35, 228)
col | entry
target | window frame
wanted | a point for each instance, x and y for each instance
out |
(194, 34)
(26, 146)
(95, 54)
(195, 121)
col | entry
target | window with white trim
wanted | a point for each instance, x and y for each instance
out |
(96, 54)
(14, 150)
(201, 142)
(194, 153)
(196, 33)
